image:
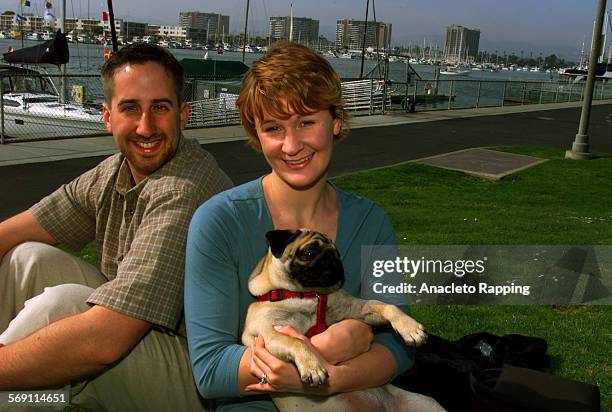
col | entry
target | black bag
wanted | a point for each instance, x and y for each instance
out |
(514, 389)
(442, 368)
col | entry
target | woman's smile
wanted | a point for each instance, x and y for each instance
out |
(299, 163)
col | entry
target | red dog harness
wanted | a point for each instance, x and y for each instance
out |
(282, 294)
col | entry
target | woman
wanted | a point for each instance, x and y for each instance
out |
(291, 108)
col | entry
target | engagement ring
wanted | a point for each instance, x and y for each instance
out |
(264, 379)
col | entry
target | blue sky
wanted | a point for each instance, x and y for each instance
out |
(537, 26)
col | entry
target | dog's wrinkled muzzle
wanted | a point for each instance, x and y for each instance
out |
(323, 272)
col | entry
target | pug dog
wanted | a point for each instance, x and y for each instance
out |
(298, 282)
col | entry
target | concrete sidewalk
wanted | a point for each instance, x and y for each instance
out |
(53, 150)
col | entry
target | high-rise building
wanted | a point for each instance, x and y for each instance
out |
(305, 30)
(461, 44)
(349, 34)
(216, 25)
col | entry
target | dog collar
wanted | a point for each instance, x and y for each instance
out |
(282, 294)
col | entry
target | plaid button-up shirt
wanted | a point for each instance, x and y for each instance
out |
(140, 230)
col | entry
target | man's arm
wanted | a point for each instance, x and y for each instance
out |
(21, 228)
(69, 349)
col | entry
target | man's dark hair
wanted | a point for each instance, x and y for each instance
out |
(141, 53)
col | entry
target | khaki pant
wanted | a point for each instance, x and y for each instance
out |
(40, 284)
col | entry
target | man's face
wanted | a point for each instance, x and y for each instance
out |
(144, 117)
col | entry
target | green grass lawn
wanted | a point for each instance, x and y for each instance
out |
(559, 202)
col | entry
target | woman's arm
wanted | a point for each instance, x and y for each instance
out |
(212, 299)
(371, 369)
(341, 341)
(380, 232)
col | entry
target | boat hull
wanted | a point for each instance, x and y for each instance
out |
(24, 126)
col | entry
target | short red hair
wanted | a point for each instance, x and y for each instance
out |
(289, 75)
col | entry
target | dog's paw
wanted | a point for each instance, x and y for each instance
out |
(413, 332)
(310, 369)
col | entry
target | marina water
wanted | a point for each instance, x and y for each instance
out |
(88, 59)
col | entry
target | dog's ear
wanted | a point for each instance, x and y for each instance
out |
(279, 239)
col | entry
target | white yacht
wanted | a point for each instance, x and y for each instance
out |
(456, 70)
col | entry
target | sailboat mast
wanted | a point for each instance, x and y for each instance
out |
(246, 22)
(63, 83)
(365, 34)
(291, 23)
(460, 47)
(111, 21)
(602, 58)
(21, 16)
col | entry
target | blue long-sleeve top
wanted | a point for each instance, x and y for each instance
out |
(226, 240)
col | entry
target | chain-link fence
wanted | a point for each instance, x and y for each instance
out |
(212, 102)
(40, 106)
(36, 106)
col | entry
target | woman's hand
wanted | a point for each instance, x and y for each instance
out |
(280, 376)
(344, 340)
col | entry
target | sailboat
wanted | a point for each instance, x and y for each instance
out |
(32, 102)
(455, 70)
(603, 69)
(458, 69)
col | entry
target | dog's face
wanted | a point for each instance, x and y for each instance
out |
(308, 260)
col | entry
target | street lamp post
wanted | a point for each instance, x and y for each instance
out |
(580, 148)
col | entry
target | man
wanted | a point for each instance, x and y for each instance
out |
(109, 331)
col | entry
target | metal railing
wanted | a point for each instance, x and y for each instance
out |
(365, 96)
(30, 106)
(219, 111)
(360, 97)
(462, 94)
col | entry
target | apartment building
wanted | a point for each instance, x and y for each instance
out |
(349, 34)
(215, 25)
(305, 30)
(461, 44)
